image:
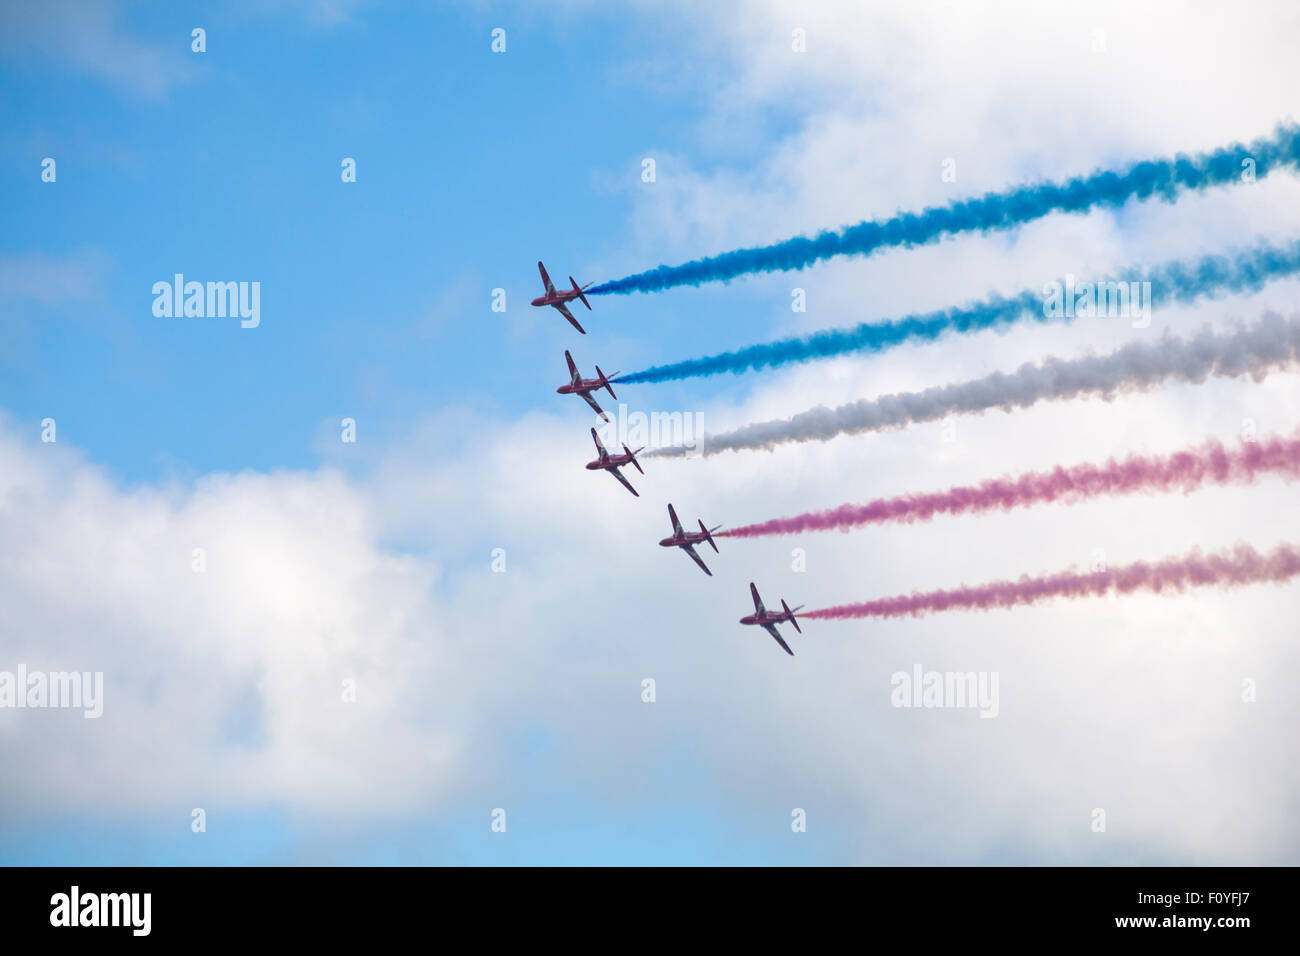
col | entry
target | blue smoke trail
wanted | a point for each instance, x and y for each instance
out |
(1164, 178)
(1170, 282)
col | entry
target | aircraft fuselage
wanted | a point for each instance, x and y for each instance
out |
(689, 537)
(560, 298)
(613, 461)
(767, 617)
(583, 386)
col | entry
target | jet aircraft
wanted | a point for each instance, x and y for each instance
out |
(558, 299)
(612, 463)
(687, 540)
(770, 619)
(585, 386)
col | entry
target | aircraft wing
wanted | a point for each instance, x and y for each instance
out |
(564, 311)
(586, 397)
(758, 602)
(599, 447)
(771, 629)
(573, 369)
(690, 549)
(677, 525)
(546, 280)
(623, 481)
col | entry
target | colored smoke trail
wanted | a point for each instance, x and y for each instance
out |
(1242, 565)
(1177, 281)
(1185, 471)
(1269, 344)
(1162, 178)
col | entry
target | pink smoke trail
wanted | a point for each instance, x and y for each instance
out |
(1243, 565)
(1184, 471)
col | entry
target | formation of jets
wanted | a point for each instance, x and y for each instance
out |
(680, 538)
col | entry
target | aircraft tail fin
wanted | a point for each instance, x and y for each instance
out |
(632, 458)
(708, 536)
(790, 614)
(604, 380)
(578, 289)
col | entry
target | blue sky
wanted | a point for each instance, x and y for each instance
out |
(471, 165)
(373, 562)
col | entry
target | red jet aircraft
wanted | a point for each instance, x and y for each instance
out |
(687, 540)
(585, 386)
(557, 299)
(770, 619)
(612, 463)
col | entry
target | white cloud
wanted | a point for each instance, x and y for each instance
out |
(50, 280)
(89, 36)
(226, 685)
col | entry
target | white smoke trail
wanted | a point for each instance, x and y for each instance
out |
(1271, 343)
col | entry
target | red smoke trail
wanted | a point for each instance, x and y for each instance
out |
(1243, 565)
(1185, 471)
